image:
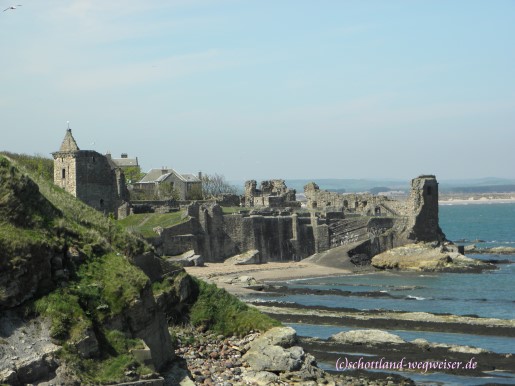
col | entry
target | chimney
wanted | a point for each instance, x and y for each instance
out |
(200, 176)
(124, 155)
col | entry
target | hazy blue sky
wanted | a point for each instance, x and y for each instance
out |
(263, 89)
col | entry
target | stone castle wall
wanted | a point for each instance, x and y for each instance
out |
(363, 204)
(216, 236)
(97, 182)
(91, 177)
(284, 237)
(65, 172)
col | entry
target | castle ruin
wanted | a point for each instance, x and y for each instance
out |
(91, 177)
(363, 225)
(272, 193)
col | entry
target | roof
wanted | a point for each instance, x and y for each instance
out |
(153, 175)
(159, 175)
(163, 177)
(69, 143)
(189, 177)
(121, 162)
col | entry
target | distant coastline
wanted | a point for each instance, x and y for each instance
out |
(475, 200)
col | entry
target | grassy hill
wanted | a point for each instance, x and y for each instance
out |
(145, 223)
(62, 260)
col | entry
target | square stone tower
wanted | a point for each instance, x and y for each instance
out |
(90, 176)
(423, 209)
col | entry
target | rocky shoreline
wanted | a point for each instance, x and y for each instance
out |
(248, 281)
(473, 249)
(297, 313)
(272, 358)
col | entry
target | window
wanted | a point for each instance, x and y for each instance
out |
(63, 173)
(101, 202)
(429, 190)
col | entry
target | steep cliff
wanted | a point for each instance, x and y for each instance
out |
(68, 269)
(26, 251)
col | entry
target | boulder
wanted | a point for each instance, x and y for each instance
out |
(250, 257)
(246, 280)
(280, 336)
(87, 345)
(451, 347)
(260, 378)
(8, 377)
(424, 257)
(274, 351)
(187, 259)
(367, 337)
(275, 358)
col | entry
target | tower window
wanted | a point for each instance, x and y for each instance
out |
(101, 202)
(429, 190)
(63, 173)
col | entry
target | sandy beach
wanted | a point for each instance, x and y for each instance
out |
(221, 273)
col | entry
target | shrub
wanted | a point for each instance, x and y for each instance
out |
(223, 313)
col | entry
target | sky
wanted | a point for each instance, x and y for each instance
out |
(266, 89)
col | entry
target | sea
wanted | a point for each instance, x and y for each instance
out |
(488, 294)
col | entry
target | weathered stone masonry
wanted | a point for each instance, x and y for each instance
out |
(282, 236)
(272, 193)
(91, 177)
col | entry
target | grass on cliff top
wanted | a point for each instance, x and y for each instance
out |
(103, 287)
(144, 223)
(234, 209)
(223, 313)
(76, 223)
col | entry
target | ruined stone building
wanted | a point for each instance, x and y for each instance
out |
(352, 203)
(188, 186)
(91, 177)
(272, 193)
(356, 226)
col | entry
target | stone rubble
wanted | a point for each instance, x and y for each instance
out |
(224, 361)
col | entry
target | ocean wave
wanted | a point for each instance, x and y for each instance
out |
(415, 297)
(259, 300)
(405, 287)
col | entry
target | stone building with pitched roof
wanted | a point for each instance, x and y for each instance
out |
(188, 186)
(124, 161)
(91, 177)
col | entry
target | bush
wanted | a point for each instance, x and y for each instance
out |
(217, 310)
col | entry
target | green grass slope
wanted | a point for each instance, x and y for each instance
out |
(63, 260)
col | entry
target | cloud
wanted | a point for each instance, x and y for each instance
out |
(132, 74)
(103, 22)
